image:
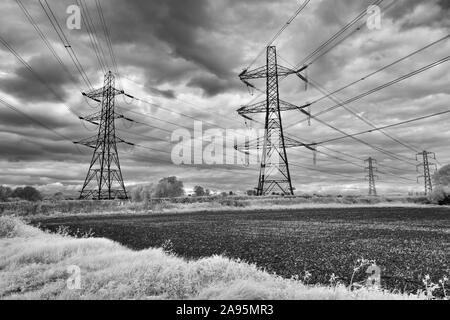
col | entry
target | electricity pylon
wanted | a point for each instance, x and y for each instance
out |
(274, 172)
(371, 177)
(426, 164)
(104, 179)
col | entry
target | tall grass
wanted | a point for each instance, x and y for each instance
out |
(66, 207)
(33, 265)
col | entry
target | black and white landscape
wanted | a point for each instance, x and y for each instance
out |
(239, 150)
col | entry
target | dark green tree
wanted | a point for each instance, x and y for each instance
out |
(199, 191)
(27, 193)
(5, 193)
(169, 187)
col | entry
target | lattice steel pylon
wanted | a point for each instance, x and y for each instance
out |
(274, 172)
(426, 164)
(104, 179)
(371, 177)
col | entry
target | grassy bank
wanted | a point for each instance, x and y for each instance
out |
(408, 243)
(33, 265)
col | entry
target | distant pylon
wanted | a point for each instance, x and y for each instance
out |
(371, 177)
(426, 164)
(104, 179)
(274, 172)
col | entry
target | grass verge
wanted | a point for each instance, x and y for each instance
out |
(34, 265)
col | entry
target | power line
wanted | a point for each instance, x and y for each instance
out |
(381, 69)
(337, 35)
(347, 36)
(167, 121)
(294, 164)
(188, 128)
(45, 40)
(366, 121)
(338, 101)
(384, 86)
(334, 37)
(371, 92)
(190, 105)
(384, 127)
(36, 75)
(291, 19)
(32, 119)
(95, 44)
(108, 39)
(65, 42)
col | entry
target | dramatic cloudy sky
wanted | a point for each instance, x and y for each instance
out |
(185, 56)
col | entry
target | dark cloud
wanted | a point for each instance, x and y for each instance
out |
(339, 12)
(420, 13)
(24, 85)
(185, 56)
(170, 94)
(212, 86)
(184, 28)
(11, 119)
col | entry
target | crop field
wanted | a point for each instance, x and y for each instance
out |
(406, 243)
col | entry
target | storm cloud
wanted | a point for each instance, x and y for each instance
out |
(183, 59)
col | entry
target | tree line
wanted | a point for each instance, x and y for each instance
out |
(27, 193)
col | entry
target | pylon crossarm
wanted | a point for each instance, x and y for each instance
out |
(90, 142)
(257, 73)
(287, 106)
(97, 117)
(302, 77)
(89, 120)
(97, 94)
(293, 143)
(120, 140)
(283, 71)
(93, 97)
(261, 107)
(93, 118)
(257, 144)
(250, 145)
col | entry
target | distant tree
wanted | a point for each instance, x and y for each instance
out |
(251, 192)
(224, 194)
(441, 186)
(27, 193)
(58, 196)
(169, 187)
(439, 196)
(231, 193)
(135, 194)
(207, 192)
(5, 193)
(199, 191)
(17, 193)
(31, 194)
(141, 193)
(442, 177)
(146, 193)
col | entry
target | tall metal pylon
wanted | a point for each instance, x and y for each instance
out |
(104, 179)
(426, 164)
(371, 168)
(274, 172)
